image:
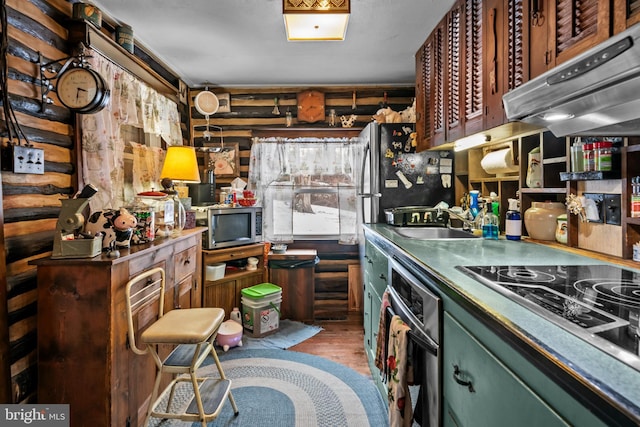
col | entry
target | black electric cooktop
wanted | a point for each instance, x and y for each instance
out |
(600, 303)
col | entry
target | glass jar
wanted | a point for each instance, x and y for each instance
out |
(588, 159)
(602, 155)
(577, 157)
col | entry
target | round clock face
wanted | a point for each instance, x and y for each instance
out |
(206, 103)
(82, 90)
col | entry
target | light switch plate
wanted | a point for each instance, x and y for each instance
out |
(28, 160)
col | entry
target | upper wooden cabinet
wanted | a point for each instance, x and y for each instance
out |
(482, 49)
(626, 13)
(562, 29)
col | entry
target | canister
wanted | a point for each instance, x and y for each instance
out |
(87, 12)
(124, 37)
(602, 155)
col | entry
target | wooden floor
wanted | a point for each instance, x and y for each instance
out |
(341, 341)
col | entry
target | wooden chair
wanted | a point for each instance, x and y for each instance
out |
(193, 332)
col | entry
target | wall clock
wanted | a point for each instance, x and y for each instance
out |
(206, 103)
(310, 106)
(82, 90)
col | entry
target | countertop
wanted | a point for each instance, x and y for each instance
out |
(616, 381)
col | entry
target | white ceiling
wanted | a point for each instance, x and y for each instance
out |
(241, 43)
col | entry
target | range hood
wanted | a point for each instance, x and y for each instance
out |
(596, 93)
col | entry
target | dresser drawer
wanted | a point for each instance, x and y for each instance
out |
(185, 263)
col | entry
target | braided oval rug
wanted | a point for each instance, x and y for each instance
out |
(280, 388)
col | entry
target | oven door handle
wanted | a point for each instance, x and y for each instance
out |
(424, 340)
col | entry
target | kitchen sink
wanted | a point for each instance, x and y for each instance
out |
(433, 233)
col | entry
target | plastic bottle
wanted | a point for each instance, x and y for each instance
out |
(513, 221)
(474, 206)
(489, 223)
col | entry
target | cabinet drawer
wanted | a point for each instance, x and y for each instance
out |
(150, 260)
(185, 263)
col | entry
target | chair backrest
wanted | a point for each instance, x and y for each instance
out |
(141, 291)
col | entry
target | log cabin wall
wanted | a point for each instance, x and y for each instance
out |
(252, 113)
(30, 203)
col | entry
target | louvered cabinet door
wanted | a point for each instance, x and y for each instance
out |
(494, 62)
(473, 75)
(516, 59)
(455, 75)
(424, 74)
(626, 13)
(576, 26)
(440, 101)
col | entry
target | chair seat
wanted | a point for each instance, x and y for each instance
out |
(189, 326)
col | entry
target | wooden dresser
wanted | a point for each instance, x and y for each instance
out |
(83, 355)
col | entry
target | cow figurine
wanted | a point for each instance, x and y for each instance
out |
(115, 225)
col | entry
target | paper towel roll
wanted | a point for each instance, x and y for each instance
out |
(499, 162)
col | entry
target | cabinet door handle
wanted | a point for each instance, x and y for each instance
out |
(382, 276)
(457, 378)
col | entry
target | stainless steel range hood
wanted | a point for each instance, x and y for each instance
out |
(595, 93)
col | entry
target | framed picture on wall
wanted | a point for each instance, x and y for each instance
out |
(225, 161)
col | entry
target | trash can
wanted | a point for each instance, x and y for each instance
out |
(261, 309)
(294, 272)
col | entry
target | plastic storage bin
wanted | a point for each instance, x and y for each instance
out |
(261, 309)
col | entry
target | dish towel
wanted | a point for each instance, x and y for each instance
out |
(381, 340)
(400, 410)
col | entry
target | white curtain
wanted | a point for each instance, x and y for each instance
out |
(132, 103)
(278, 166)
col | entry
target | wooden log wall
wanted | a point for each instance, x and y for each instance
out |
(30, 203)
(252, 114)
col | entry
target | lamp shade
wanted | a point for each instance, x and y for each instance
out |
(181, 164)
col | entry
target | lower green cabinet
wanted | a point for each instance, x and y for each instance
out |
(375, 281)
(479, 390)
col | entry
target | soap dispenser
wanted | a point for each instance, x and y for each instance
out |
(489, 223)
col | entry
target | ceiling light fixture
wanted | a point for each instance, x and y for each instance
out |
(308, 20)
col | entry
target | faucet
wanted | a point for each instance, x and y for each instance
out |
(467, 224)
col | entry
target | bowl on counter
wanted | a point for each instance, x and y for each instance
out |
(247, 201)
(279, 248)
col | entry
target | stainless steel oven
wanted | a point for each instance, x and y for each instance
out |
(411, 298)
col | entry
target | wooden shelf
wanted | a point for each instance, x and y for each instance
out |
(552, 160)
(85, 33)
(634, 221)
(525, 190)
(589, 176)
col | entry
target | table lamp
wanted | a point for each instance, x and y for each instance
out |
(181, 165)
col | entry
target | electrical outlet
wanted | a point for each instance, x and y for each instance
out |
(28, 160)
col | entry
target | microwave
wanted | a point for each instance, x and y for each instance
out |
(228, 227)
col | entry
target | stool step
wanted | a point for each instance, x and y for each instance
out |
(213, 392)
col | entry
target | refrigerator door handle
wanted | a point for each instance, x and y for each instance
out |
(369, 194)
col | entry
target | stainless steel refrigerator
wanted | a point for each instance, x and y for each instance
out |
(394, 174)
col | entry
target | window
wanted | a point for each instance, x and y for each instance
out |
(308, 187)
